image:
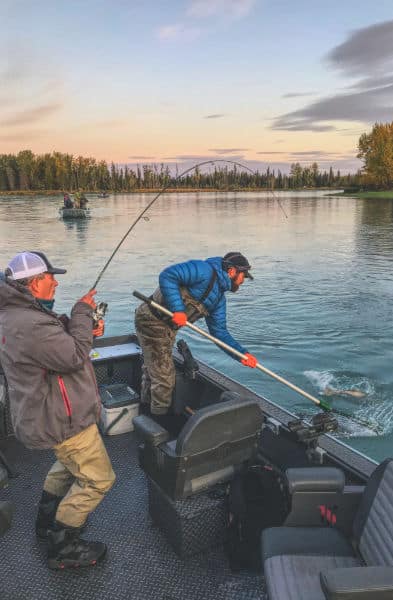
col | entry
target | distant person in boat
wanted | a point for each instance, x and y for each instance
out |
(54, 402)
(77, 199)
(192, 290)
(67, 201)
(83, 201)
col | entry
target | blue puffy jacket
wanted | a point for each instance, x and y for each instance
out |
(195, 275)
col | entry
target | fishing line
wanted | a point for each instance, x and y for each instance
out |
(141, 215)
(150, 204)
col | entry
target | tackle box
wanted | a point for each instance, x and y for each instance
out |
(120, 404)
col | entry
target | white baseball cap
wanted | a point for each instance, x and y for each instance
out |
(29, 264)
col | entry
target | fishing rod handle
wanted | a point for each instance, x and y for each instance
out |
(141, 297)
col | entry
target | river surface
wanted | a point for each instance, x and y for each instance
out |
(319, 312)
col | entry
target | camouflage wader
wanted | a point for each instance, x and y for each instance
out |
(157, 337)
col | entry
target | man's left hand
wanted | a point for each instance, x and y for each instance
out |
(179, 318)
(250, 360)
(99, 329)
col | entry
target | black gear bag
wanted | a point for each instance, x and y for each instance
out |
(257, 499)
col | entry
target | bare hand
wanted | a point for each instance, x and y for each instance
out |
(88, 298)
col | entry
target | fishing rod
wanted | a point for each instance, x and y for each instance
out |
(325, 406)
(144, 211)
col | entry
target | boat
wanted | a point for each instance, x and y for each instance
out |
(74, 213)
(164, 520)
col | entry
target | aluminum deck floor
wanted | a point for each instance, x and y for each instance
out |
(140, 564)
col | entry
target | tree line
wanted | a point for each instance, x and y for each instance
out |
(57, 171)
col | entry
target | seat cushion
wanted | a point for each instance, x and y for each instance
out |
(297, 577)
(312, 541)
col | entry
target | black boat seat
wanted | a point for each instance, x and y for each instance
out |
(319, 563)
(6, 512)
(212, 445)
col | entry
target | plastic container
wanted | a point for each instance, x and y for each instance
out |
(120, 404)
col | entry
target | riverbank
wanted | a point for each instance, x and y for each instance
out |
(383, 195)
(184, 190)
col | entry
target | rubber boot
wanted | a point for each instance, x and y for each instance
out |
(6, 513)
(47, 509)
(46, 515)
(66, 550)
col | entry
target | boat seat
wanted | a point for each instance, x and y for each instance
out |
(211, 446)
(6, 512)
(319, 563)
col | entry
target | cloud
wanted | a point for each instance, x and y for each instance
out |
(297, 94)
(215, 11)
(366, 50)
(32, 89)
(215, 116)
(365, 107)
(27, 117)
(23, 136)
(232, 9)
(142, 157)
(368, 55)
(178, 31)
(311, 155)
(227, 150)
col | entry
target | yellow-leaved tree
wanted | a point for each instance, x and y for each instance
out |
(376, 150)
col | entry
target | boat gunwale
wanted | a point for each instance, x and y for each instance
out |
(330, 444)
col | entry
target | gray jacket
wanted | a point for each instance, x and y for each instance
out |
(52, 386)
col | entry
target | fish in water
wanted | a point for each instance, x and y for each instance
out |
(328, 391)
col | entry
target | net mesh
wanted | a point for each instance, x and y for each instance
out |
(26, 264)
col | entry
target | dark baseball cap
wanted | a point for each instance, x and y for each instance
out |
(237, 260)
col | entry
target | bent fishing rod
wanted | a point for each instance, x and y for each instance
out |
(164, 189)
(325, 406)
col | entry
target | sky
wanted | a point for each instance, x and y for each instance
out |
(262, 82)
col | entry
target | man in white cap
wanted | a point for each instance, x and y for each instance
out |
(54, 402)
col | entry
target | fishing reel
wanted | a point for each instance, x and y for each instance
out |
(99, 312)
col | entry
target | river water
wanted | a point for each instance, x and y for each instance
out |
(319, 312)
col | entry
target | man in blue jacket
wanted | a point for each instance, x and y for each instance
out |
(190, 290)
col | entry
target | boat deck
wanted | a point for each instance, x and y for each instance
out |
(140, 564)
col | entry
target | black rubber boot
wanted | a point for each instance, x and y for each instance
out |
(47, 509)
(46, 515)
(66, 550)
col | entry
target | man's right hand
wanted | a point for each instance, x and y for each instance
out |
(88, 298)
(99, 328)
(179, 318)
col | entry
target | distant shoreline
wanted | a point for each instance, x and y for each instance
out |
(383, 195)
(157, 190)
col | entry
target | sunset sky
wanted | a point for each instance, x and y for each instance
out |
(138, 81)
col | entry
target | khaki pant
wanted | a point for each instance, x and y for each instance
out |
(83, 474)
(158, 372)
